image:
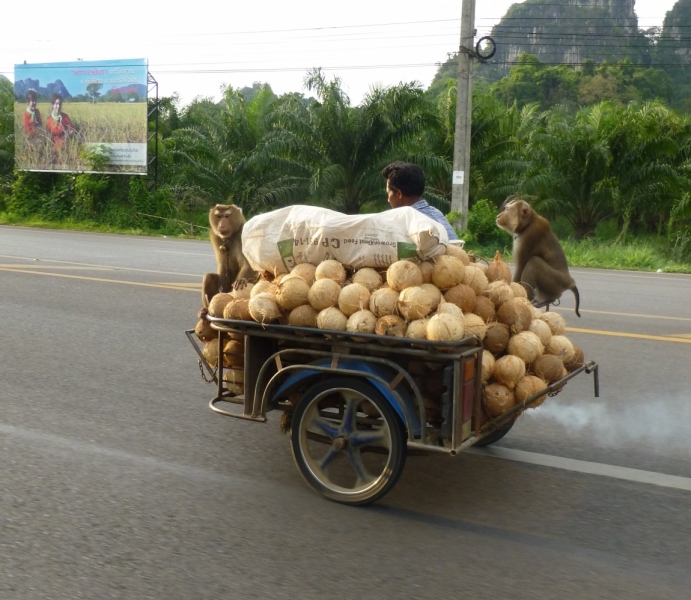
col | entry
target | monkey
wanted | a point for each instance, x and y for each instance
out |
(226, 222)
(539, 258)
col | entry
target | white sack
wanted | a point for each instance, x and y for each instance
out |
(277, 241)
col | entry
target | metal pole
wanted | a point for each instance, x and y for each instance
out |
(464, 110)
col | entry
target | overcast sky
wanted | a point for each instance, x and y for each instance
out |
(194, 48)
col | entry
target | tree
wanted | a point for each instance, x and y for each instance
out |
(330, 153)
(92, 89)
(6, 129)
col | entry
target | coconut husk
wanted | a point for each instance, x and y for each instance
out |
(448, 271)
(305, 271)
(498, 292)
(426, 269)
(330, 269)
(497, 337)
(383, 302)
(488, 361)
(527, 387)
(508, 370)
(238, 309)
(474, 325)
(514, 314)
(292, 292)
(459, 253)
(518, 290)
(555, 321)
(462, 296)
(390, 325)
(218, 303)
(353, 297)
(498, 399)
(548, 367)
(403, 274)
(415, 303)
(576, 361)
(303, 316)
(498, 270)
(475, 278)
(204, 331)
(526, 345)
(324, 294)
(369, 278)
(484, 308)
(362, 321)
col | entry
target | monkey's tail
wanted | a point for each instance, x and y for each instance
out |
(574, 289)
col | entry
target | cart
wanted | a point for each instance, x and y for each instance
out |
(353, 404)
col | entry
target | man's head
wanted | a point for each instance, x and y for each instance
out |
(405, 183)
(31, 99)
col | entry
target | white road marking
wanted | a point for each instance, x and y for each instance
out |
(591, 468)
(208, 254)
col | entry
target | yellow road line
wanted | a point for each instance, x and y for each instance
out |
(122, 281)
(621, 314)
(12, 267)
(640, 336)
(64, 262)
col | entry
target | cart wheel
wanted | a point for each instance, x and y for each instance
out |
(344, 453)
(495, 436)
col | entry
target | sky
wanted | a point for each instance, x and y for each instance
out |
(196, 49)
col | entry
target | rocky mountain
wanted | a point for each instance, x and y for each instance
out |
(22, 86)
(570, 31)
(673, 46)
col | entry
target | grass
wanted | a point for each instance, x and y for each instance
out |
(104, 122)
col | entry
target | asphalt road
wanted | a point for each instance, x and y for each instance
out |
(117, 481)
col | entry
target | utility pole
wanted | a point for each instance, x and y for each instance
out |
(464, 110)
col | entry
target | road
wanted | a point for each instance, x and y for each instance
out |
(117, 481)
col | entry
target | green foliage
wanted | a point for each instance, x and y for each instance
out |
(482, 226)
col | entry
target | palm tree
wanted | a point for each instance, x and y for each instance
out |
(6, 128)
(330, 153)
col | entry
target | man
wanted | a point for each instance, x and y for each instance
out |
(405, 183)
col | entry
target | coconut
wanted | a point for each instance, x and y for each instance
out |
(384, 302)
(529, 386)
(369, 278)
(218, 303)
(498, 270)
(264, 308)
(555, 321)
(498, 399)
(323, 294)
(444, 327)
(330, 269)
(390, 325)
(484, 308)
(234, 354)
(353, 297)
(462, 296)
(529, 305)
(264, 287)
(362, 321)
(450, 309)
(448, 271)
(459, 253)
(508, 370)
(562, 347)
(526, 345)
(332, 318)
(487, 365)
(433, 290)
(541, 330)
(305, 271)
(474, 325)
(303, 316)
(204, 331)
(497, 337)
(236, 376)
(547, 367)
(475, 278)
(238, 309)
(518, 290)
(415, 303)
(426, 269)
(578, 359)
(292, 292)
(417, 329)
(498, 292)
(210, 352)
(515, 315)
(403, 274)
(243, 293)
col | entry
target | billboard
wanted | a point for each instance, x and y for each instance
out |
(74, 116)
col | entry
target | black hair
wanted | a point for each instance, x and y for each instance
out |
(55, 97)
(31, 95)
(405, 177)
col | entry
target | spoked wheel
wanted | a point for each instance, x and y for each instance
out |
(347, 441)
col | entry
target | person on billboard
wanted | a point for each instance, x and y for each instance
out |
(32, 116)
(58, 124)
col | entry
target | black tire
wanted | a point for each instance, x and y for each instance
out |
(337, 462)
(495, 436)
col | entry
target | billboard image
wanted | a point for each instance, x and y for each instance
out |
(73, 116)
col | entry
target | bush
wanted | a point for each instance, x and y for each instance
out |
(482, 226)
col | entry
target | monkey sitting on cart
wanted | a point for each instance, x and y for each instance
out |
(540, 262)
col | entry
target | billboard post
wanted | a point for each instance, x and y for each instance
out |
(67, 112)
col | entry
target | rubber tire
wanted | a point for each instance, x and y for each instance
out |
(495, 436)
(398, 441)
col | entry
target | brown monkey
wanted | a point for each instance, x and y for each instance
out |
(539, 258)
(226, 221)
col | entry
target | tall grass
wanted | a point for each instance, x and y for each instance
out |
(104, 122)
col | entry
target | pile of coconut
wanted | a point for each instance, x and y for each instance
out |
(444, 299)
